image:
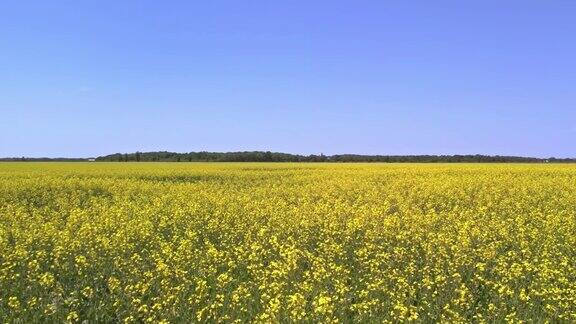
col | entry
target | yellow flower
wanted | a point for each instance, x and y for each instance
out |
(87, 292)
(47, 279)
(13, 302)
(72, 317)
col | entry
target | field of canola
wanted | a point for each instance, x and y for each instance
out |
(196, 242)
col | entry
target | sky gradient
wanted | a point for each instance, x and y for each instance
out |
(88, 78)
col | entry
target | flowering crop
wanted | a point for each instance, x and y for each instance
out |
(195, 242)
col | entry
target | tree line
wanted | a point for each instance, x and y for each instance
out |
(260, 156)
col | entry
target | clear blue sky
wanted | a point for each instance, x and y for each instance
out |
(85, 78)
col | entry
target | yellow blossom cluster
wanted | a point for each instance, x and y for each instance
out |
(238, 242)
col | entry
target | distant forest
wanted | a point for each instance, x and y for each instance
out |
(259, 156)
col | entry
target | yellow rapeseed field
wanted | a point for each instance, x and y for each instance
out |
(196, 242)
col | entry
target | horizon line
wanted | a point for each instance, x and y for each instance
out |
(293, 154)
